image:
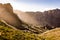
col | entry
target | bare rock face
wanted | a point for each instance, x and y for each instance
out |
(8, 7)
(26, 17)
(52, 17)
(6, 14)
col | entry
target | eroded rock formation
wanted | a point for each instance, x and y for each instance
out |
(6, 14)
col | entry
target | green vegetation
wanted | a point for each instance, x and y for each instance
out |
(53, 34)
(7, 33)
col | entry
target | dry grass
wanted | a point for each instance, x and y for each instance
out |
(53, 34)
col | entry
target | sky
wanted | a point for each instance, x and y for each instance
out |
(33, 5)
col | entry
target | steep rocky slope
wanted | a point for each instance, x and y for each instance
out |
(49, 18)
(25, 17)
(6, 14)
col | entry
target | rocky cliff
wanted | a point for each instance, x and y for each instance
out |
(7, 14)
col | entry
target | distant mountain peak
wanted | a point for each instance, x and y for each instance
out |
(7, 6)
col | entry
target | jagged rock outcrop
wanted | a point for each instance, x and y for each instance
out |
(53, 17)
(6, 14)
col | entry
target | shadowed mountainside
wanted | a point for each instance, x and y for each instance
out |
(47, 18)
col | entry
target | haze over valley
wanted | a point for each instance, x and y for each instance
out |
(29, 20)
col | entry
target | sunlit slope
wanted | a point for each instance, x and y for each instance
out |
(53, 34)
(8, 33)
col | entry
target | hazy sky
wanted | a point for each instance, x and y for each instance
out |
(33, 5)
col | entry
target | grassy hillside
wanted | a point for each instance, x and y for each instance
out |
(7, 33)
(51, 34)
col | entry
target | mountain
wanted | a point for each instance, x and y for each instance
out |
(7, 14)
(53, 17)
(30, 22)
(23, 21)
(14, 18)
(18, 25)
(49, 18)
(26, 17)
(36, 22)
